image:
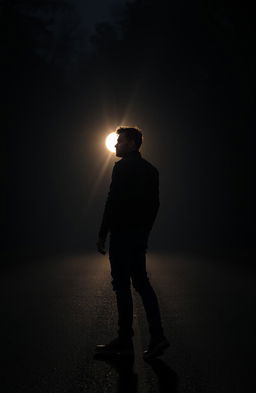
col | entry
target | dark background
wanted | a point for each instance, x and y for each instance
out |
(181, 71)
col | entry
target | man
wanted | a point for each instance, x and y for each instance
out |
(130, 211)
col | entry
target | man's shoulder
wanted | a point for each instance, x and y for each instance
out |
(149, 166)
(119, 167)
(136, 164)
(119, 162)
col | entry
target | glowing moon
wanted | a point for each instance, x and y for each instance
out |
(110, 141)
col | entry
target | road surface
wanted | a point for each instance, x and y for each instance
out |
(56, 310)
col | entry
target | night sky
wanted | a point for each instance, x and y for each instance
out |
(181, 71)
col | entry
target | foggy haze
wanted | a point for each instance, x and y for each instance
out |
(183, 79)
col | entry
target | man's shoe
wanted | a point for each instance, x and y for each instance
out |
(116, 347)
(156, 348)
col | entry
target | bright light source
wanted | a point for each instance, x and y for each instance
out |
(111, 141)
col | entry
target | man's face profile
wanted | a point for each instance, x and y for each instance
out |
(123, 146)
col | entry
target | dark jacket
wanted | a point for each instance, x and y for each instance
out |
(133, 198)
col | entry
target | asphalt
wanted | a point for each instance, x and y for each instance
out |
(55, 310)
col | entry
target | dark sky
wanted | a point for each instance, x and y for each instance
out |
(93, 12)
(181, 71)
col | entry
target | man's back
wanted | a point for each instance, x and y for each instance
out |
(133, 198)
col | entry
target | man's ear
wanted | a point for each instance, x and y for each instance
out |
(132, 144)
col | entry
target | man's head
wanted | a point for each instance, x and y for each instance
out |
(129, 139)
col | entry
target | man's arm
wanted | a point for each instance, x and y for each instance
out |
(104, 227)
(105, 222)
(153, 199)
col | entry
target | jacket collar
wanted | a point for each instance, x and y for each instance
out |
(133, 154)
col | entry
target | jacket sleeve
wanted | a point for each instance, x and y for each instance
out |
(105, 222)
(153, 200)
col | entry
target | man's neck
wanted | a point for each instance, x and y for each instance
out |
(132, 153)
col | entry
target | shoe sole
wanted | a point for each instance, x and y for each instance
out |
(158, 351)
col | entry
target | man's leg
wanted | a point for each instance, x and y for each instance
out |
(120, 271)
(158, 342)
(125, 314)
(143, 287)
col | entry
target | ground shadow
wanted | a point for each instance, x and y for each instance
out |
(167, 378)
(127, 379)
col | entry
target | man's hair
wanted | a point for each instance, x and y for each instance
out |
(132, 134)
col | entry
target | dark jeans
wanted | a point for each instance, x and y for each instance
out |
(127, 254)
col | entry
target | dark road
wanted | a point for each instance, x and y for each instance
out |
(56, 310)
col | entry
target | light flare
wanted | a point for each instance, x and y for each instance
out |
(111, 141)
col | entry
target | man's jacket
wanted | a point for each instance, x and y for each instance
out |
(133, 198)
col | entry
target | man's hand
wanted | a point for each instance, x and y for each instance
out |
(101, 245)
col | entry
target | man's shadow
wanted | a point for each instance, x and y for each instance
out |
(167, 378)
(127, 379)
(127, 382)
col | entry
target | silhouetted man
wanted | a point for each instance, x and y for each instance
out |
(130, 211)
